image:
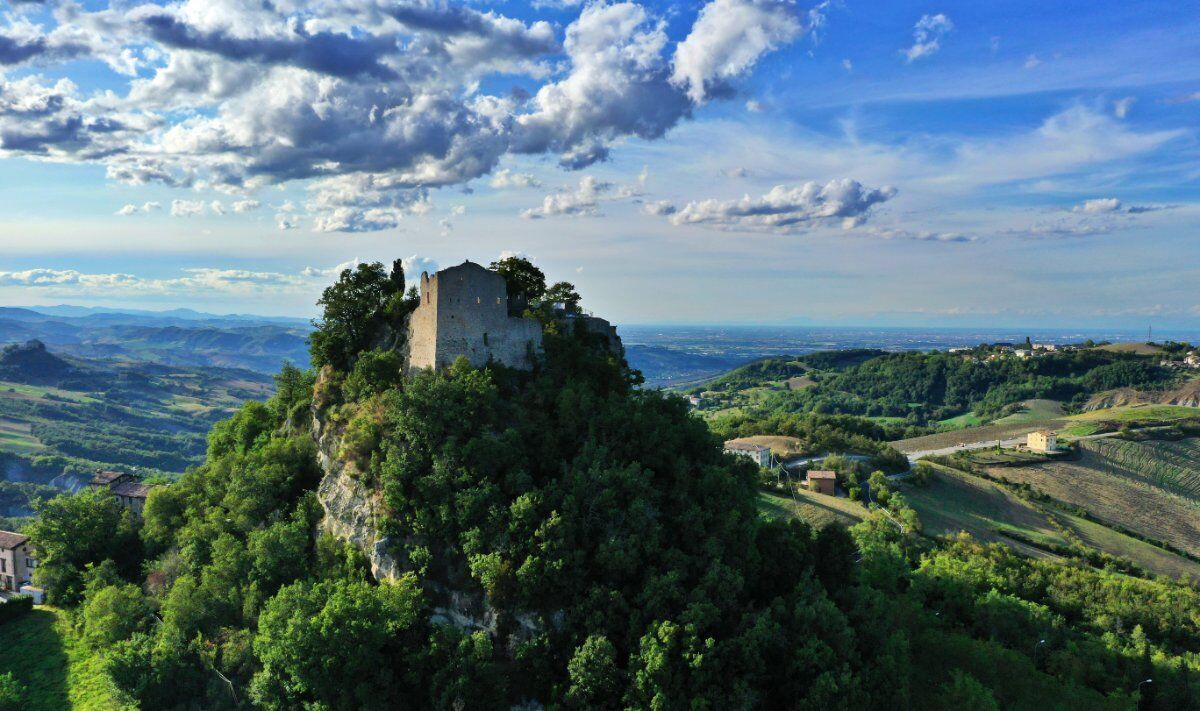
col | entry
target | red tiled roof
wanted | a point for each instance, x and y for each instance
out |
(822, 474)
(9, 540)
(103, 478)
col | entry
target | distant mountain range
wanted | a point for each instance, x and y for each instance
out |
(176, 337)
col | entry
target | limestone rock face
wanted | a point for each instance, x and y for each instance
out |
(351, 506)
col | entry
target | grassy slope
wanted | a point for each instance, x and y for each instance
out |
(817, 509)
(954, 502)
(42, 651)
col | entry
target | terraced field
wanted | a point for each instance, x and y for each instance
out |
(1171, 465)
(1147, 487)
(955, 502)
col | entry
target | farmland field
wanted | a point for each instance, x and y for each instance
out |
(816, 509)
(1148, 487)
(955, 502)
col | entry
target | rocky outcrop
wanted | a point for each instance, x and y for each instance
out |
(352, 507)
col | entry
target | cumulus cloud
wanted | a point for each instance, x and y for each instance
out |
(505, 178)
(187, 208)
(374, 104)
(241, 206)
(786, 210)
(581, 202)
(147, 207)
(1098, 205)
(728, 38)
(927, 36)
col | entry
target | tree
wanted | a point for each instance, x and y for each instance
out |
(339, 645)
(964, 693)
(564, 293)
(352, 308)
(524, 282)
(595, 679)
(12, 692)
(113, 613)
(73, 530)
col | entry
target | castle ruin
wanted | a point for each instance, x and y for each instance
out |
(464, 312)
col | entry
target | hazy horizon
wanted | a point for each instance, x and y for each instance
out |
(855, 163)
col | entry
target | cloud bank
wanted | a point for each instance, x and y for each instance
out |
(371, 105)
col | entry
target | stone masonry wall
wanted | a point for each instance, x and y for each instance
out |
(464, 312)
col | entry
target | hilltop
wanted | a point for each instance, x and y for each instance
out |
(30, 362)
(436, 518)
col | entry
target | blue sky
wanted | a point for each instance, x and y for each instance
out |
(735, 161)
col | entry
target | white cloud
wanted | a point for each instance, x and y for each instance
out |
(1098, 205)
(728, 38)
(242, 206)
(927, 36)
(847, 65)
(187, 208)
(505, 178)
(583, 201)
(786, 210)
(147, 207)
(1122, 106)
(1032, 62)
(234, 97)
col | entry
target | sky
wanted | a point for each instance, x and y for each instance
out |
(1015, 164)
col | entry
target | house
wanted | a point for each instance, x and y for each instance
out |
(1192, 361)
(1042, 441)
(1023, 353)
(128, 488)
(1048, 347)
(758, 453)
(823, 482)
(16, 560)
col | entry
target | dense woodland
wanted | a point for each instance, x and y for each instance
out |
(619, 551)
(925, 388)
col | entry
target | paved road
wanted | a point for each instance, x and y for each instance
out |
(1012, 442)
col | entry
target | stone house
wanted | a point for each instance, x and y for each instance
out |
(16, 560)
(128, 488)
(1042, 441)
(464, 312)
(822, 481)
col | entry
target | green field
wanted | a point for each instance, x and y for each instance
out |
(968, 419)
(816, 509)
(43, 653)
(1033, 411)
(1091, 422)
(954, 502)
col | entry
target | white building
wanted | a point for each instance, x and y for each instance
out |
(758, 453)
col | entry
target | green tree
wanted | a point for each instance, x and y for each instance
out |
(351, 314)
(113, 613)
(964, 693)
(339, 645)
(524, 282)
(564, 293)
(75, 530)
(12, 692)
(595, 678)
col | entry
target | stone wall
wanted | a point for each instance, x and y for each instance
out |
(464, 312)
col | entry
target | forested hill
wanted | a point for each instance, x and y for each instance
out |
(925, 388)
(559, 538)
